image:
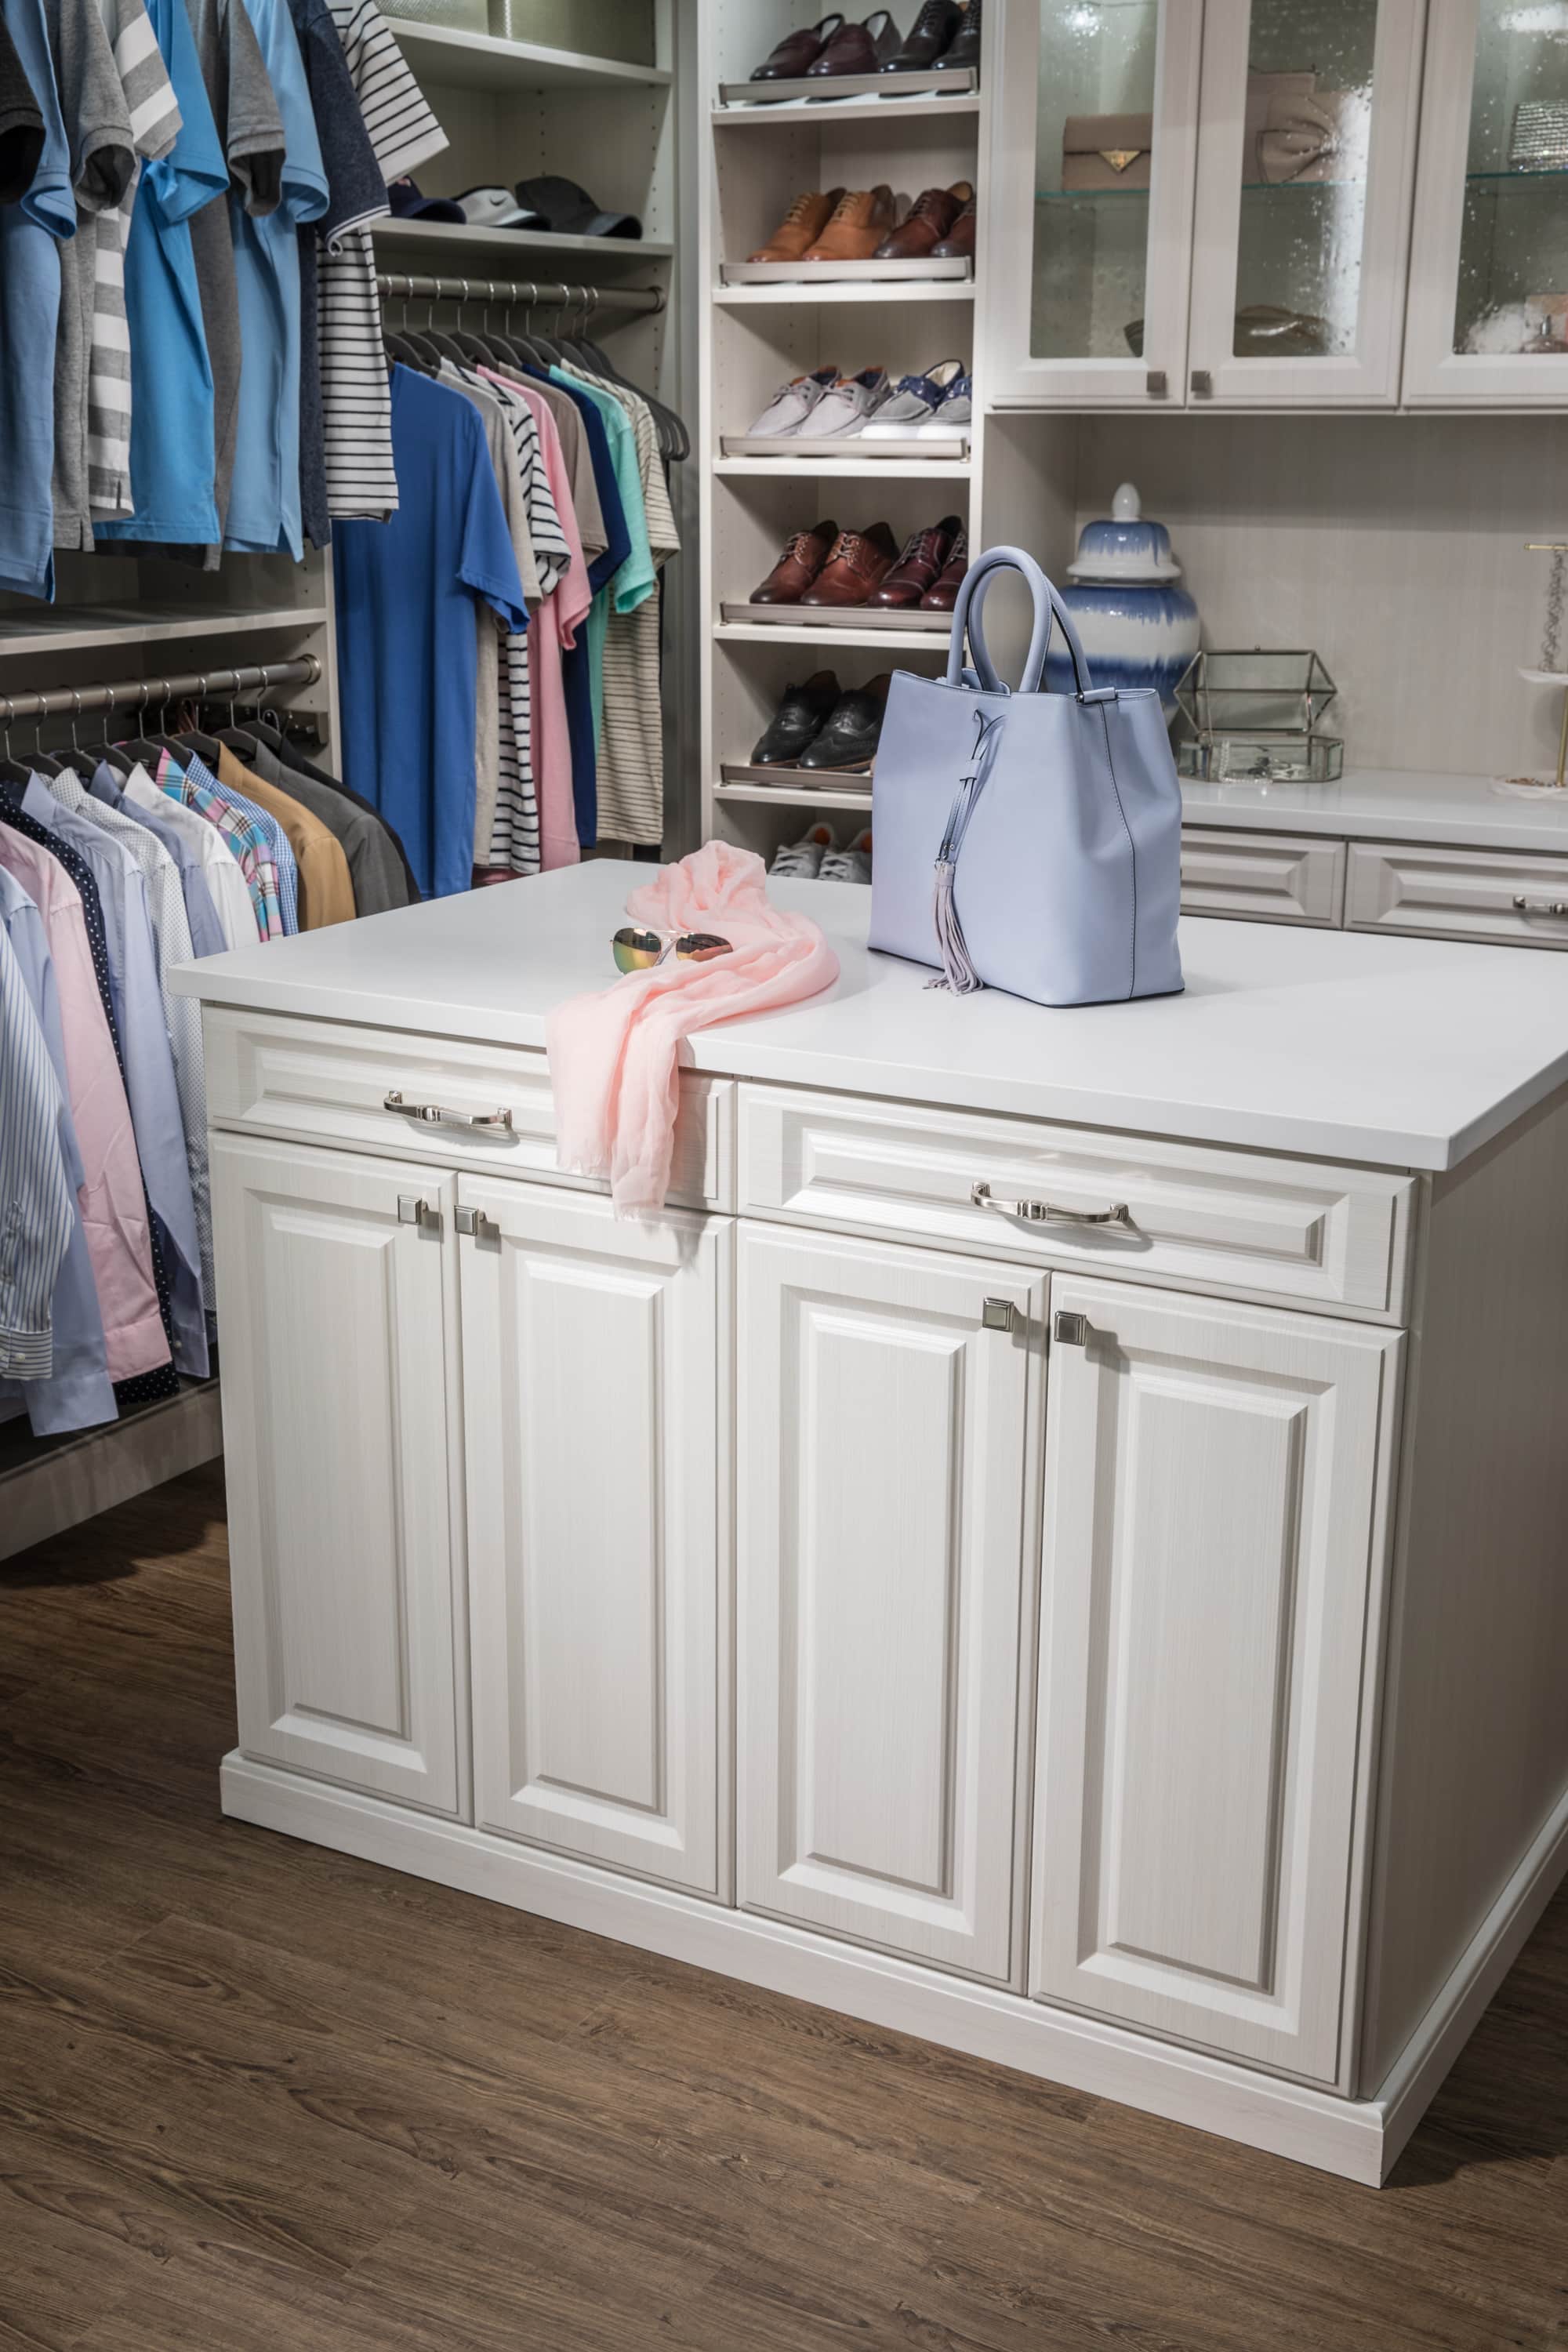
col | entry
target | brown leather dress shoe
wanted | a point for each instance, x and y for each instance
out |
(858, 49)
(926, 222)
(857, 563)
(917, 567)
(861, 219)
(927, 37)
(798, 52)
(801, 227)
(942, 594)
(800, 564)
(958, 244)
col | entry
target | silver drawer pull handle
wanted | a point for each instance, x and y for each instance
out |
(438, 1115)
(1045, 1212)
(1540, 906)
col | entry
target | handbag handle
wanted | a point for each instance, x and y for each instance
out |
(1048, 606)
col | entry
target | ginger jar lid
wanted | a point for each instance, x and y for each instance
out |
(1125, 547)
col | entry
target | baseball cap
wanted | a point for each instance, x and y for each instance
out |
(495, 208)
(568, 210)
(408, 204)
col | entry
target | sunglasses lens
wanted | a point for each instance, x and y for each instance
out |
(636, 950)
(701, 947)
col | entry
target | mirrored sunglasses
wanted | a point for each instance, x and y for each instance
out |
(639, 951)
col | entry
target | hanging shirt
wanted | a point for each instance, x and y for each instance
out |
(561, 620)
(407, 593)
(514, 842)
(30, 235)
(37, 1178)
(172, 463)
(631, 744)
(154, 127)
(493, 634)
(227, 885)
(21, 124)
(244, 836)
(582, 662)
(397, 893)
(102, 166)
(375, 878)
(207, 936)
(326, 894)
(361, 473)
(74, 1392)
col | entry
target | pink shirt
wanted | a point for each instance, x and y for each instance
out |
(551, 628)
(113, 1206)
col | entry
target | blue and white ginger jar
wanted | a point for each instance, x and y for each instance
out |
(1139, 626)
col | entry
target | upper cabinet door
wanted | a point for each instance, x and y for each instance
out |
(1489, 269)
(1089, 236)
(1306, 156)
(595, 1356)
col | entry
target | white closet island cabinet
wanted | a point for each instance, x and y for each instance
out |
(1052, 1542)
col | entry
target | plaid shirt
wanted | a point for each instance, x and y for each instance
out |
(246, 831)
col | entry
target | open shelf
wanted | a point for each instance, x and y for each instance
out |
(835, 622)
(859, 467)
(796, 290)
(63, 628)
(806, 95)
(430, 243)
(807, 632)
(480, 61)
(921, 106)
(791, 793)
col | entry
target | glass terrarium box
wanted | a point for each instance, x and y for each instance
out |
(1258, 714)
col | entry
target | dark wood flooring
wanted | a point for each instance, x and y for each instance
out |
(258, 2098)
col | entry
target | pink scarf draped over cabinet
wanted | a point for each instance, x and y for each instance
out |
(614, 1055)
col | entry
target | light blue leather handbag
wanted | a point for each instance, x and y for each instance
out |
(1026, 841)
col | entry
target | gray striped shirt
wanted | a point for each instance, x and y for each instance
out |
(38, 1209)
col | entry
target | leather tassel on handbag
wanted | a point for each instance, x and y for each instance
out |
(1026, 841)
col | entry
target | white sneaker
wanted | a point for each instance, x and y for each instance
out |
(794, 402)
(805, 858)
(914, 402)
(846, 404)
(850, 864)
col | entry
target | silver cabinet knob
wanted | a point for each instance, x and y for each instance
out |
(1157, 384)
(413, 1210)
(998, 1315)
(1071, 1330)
(1202, 384)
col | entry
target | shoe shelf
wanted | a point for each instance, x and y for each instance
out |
(829, 113)
(834, 788)
(859, 275)
(859, 448)
(482, 61)
(957, 81)
(822, 289)
(812, 620)
(859, 467)
(803, 632)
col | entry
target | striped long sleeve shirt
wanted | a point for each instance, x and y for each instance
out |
(38, 1209)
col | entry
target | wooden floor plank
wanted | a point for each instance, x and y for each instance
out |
(258, 2097)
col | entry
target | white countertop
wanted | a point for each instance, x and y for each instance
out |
(1388, 804)
(1401, 1052)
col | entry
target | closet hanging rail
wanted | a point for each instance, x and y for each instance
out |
(76, 701)
(521, 293)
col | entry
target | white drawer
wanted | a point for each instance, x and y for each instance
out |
(1272, 878)
(1232, 1222)
(1457, 894)
(268, 1074)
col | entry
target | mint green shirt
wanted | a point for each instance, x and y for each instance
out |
(634, 582)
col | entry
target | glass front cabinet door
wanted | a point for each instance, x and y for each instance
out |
(1306, 155)
(1089, 240)
(1488, 267)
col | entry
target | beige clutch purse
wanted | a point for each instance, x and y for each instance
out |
(1106, 151)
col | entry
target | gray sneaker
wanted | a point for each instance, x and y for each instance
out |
(850, 864)
(914, 403)
(846, 404)
(805, 858)
(794, 402)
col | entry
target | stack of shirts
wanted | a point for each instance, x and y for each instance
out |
(499, 644)
(184, 189)
(107, 881)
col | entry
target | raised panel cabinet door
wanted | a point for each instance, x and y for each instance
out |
(1215, 1518)
(596, 1359)
(887, 1490)
(338, 1360)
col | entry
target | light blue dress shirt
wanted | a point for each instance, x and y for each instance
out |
(78, 1391)
(37, 1206)
(207, 931)
(30, 236)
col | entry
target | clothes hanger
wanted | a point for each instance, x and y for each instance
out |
(475, 352)
(147, 747)
(406, 346)
(674, 441)
(44, 762)
(15, 772)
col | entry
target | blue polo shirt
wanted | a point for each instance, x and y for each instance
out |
(172, 463)
(264, 500)
(29, 319)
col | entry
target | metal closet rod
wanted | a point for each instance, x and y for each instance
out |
(77, 700)
(643, 301)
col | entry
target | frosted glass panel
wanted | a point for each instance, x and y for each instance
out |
(1304, 171)
(1093, 149)
(1512, 293)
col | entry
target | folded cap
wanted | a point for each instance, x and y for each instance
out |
(495, 208)
(408, 204)
(567, 210)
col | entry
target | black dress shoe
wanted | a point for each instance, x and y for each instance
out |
(849, 735)
(927, 37)
(963, 50)
(796, 720)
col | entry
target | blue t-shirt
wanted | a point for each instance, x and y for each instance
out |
(29, 315)
(264, 498)
(407, 593)
(172, 457)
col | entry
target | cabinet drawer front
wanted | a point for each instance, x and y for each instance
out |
(1274, 877)
(1226, 1221)
(1457, 894)
(328, 1082)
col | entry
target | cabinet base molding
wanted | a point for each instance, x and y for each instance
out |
(1355, 2138)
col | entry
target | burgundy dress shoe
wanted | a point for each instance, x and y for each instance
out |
(919, 567)
(858, 561)
(798, 52)
(963, 50)
(942, 594)
(928, 221)
(927, 37)
(958, 244)
(800, 564)
(858, 49)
